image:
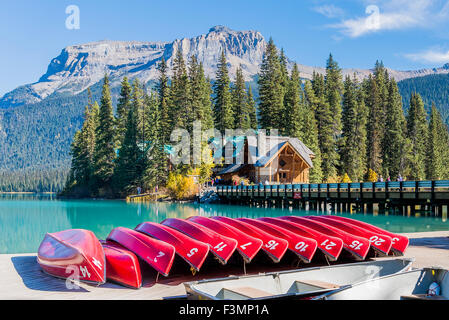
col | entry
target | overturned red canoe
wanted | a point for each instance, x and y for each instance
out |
(302, 246)
(75, 253)
(379, 242)
(274, 246)
(156, 253)
(330, 246)
(399, 242)
(194, 252)
(122, 266)
(355, 245)
(221, 246)
(247, 246)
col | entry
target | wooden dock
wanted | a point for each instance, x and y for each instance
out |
(21, 277)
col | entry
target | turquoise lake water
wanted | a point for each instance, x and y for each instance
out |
(24, 219)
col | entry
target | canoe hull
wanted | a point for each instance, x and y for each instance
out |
(332, 251)
(74, 254)
(274, 247)
(222, 247)
(122, 265)
(303, 247)
(194, 252)
(157, 254)
(379, 242)
(247, 246)
(399, 242)
(358, 247)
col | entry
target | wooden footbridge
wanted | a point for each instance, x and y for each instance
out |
(403, 196)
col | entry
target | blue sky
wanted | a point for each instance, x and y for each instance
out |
(405, 34)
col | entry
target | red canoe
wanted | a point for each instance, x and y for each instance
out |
(76, 254)
(194, 252)
(274, 246)
(156, 253)
(355, 245)
(247, 246)
(221, 246)
(331, 251)
(302, 246)
(399, 242)
(122, 266)
(379, 242)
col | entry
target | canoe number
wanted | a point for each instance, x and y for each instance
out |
(376, 240)
(220, 246)
(192, 252)
(356, 245)
(243, 246)
(327, 244)
(97, 263)
(160, 255)
(272, 244)
(301, 246)
(84, 272)
(393, 240)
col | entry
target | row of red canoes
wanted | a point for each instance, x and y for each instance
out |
(78, 254)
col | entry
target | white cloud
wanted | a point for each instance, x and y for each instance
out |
(330, 11)
(430, 55)
(394, 15)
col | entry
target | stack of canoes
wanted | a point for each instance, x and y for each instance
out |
(78, 254)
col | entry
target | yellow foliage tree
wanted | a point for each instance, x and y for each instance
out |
(346, 179)
(372, 175)
(180, 186)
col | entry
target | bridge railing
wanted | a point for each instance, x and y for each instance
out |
(436, 189)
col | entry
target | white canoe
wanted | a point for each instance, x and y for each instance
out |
(294, 284)
(412, 284)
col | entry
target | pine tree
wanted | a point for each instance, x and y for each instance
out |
(163, 90)
(354, 118)
(104, 148)
(393, 145)
(417, 129)
(437, 166)
(375, 124)
(200, 94)
(224, 117)
(126, 171)
(333, 92)
(271, 90)
(181, 110)
(239, 102)
(294, 108)
(251, 107)
(123, 106)
(326, 130)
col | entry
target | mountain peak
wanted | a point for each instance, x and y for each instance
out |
(220, 28)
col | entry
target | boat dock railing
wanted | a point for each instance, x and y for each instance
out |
(400, 193)
(144, 197)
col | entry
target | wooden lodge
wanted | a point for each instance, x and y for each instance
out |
(287, 160)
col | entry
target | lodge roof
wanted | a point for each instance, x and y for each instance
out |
(275, 143)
